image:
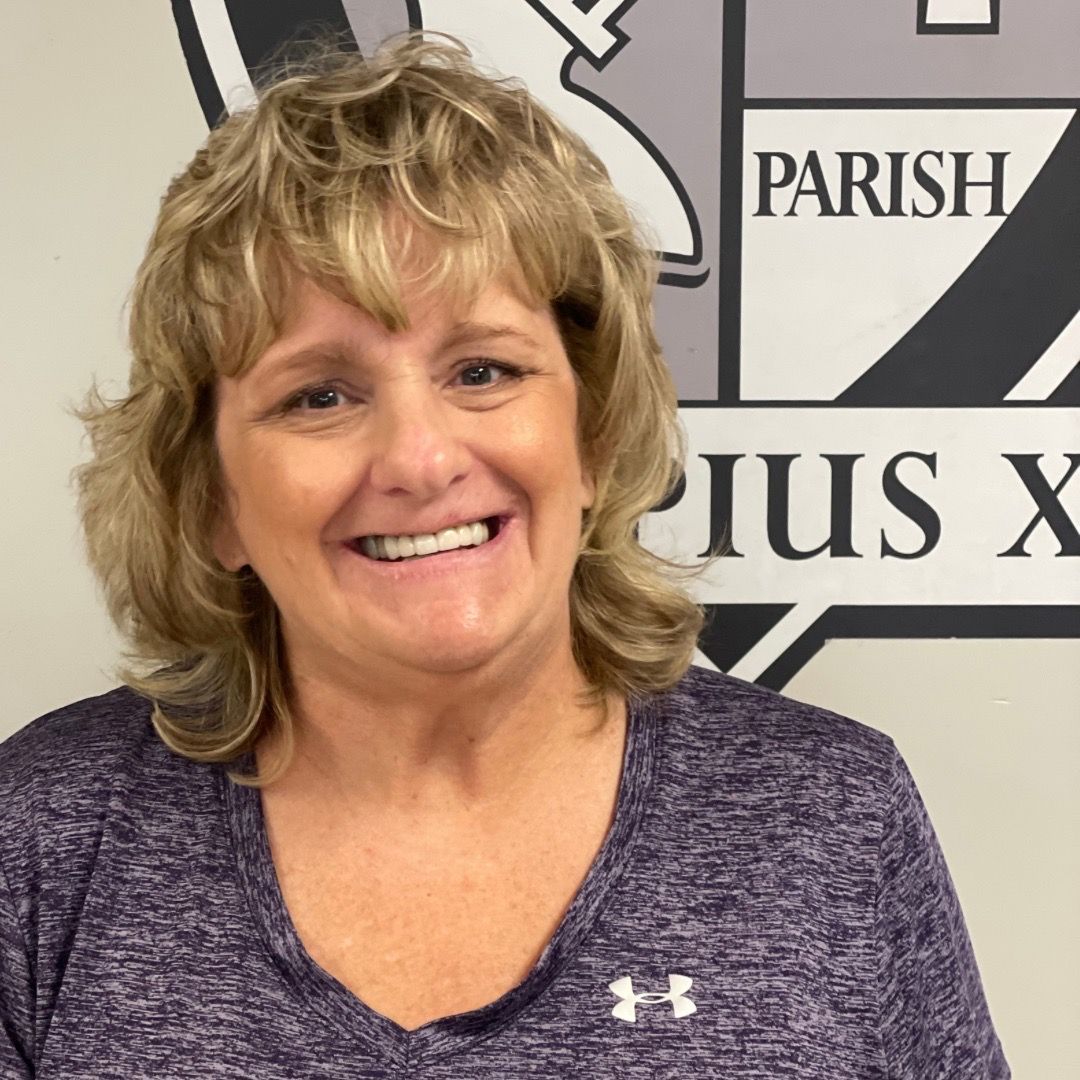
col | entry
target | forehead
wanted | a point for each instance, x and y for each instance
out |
(310, 306)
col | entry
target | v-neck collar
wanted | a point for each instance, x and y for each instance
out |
(339, 1006)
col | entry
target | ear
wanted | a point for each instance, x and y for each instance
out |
(588, 487)
(228, 548)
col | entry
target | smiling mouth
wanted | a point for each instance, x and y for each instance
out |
(363, 545)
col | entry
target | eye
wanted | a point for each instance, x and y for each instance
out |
(320, 396)
(488, 367)
(324, 397)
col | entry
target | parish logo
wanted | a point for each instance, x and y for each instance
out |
(867, 219)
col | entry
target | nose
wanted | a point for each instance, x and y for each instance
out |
(417, 447)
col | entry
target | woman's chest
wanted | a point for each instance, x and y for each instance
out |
(419, 933)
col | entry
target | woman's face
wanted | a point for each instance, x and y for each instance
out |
(343, 429)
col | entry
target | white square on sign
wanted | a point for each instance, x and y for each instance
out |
(954, 12)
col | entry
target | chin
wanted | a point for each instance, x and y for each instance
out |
(450, 659)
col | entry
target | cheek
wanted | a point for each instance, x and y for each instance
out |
(546, 436)
(294, 490)
(540, 453)
(536, 457)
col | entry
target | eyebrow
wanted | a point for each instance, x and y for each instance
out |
(296, 361)
(466, 333)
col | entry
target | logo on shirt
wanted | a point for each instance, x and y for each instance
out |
(627, 1007)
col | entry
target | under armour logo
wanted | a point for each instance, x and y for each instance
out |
(627, 1007)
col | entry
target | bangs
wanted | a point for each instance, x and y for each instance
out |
(370, 261)
(368, 191)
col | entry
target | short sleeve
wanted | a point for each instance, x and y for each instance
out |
(934, 1020)
(16, 993)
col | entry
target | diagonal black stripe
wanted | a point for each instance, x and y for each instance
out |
(999, 317)
(202, 77)
(262, 27)
(922, 621)
(1068, 390)
(732, 630)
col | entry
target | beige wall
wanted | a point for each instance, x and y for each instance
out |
(98, 113)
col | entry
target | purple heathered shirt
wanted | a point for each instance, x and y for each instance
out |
(770, 901)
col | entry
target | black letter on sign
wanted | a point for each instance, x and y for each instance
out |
(911, 506)
(1050, 508)
(841, 468)
(820, 189)
(848, 183)
(996, 183)
(896, 182)
(928, 184)
(722, 502)
(766, 183)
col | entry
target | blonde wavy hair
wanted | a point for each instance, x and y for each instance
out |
(315, 180)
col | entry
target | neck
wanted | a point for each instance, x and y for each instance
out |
(444, 745)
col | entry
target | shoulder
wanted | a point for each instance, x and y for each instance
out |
(760, 746)
(715, 709)
(67, 753)
(59, 773)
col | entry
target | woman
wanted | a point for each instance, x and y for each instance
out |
(410, 774)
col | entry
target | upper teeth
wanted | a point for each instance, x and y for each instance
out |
(404, 547)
